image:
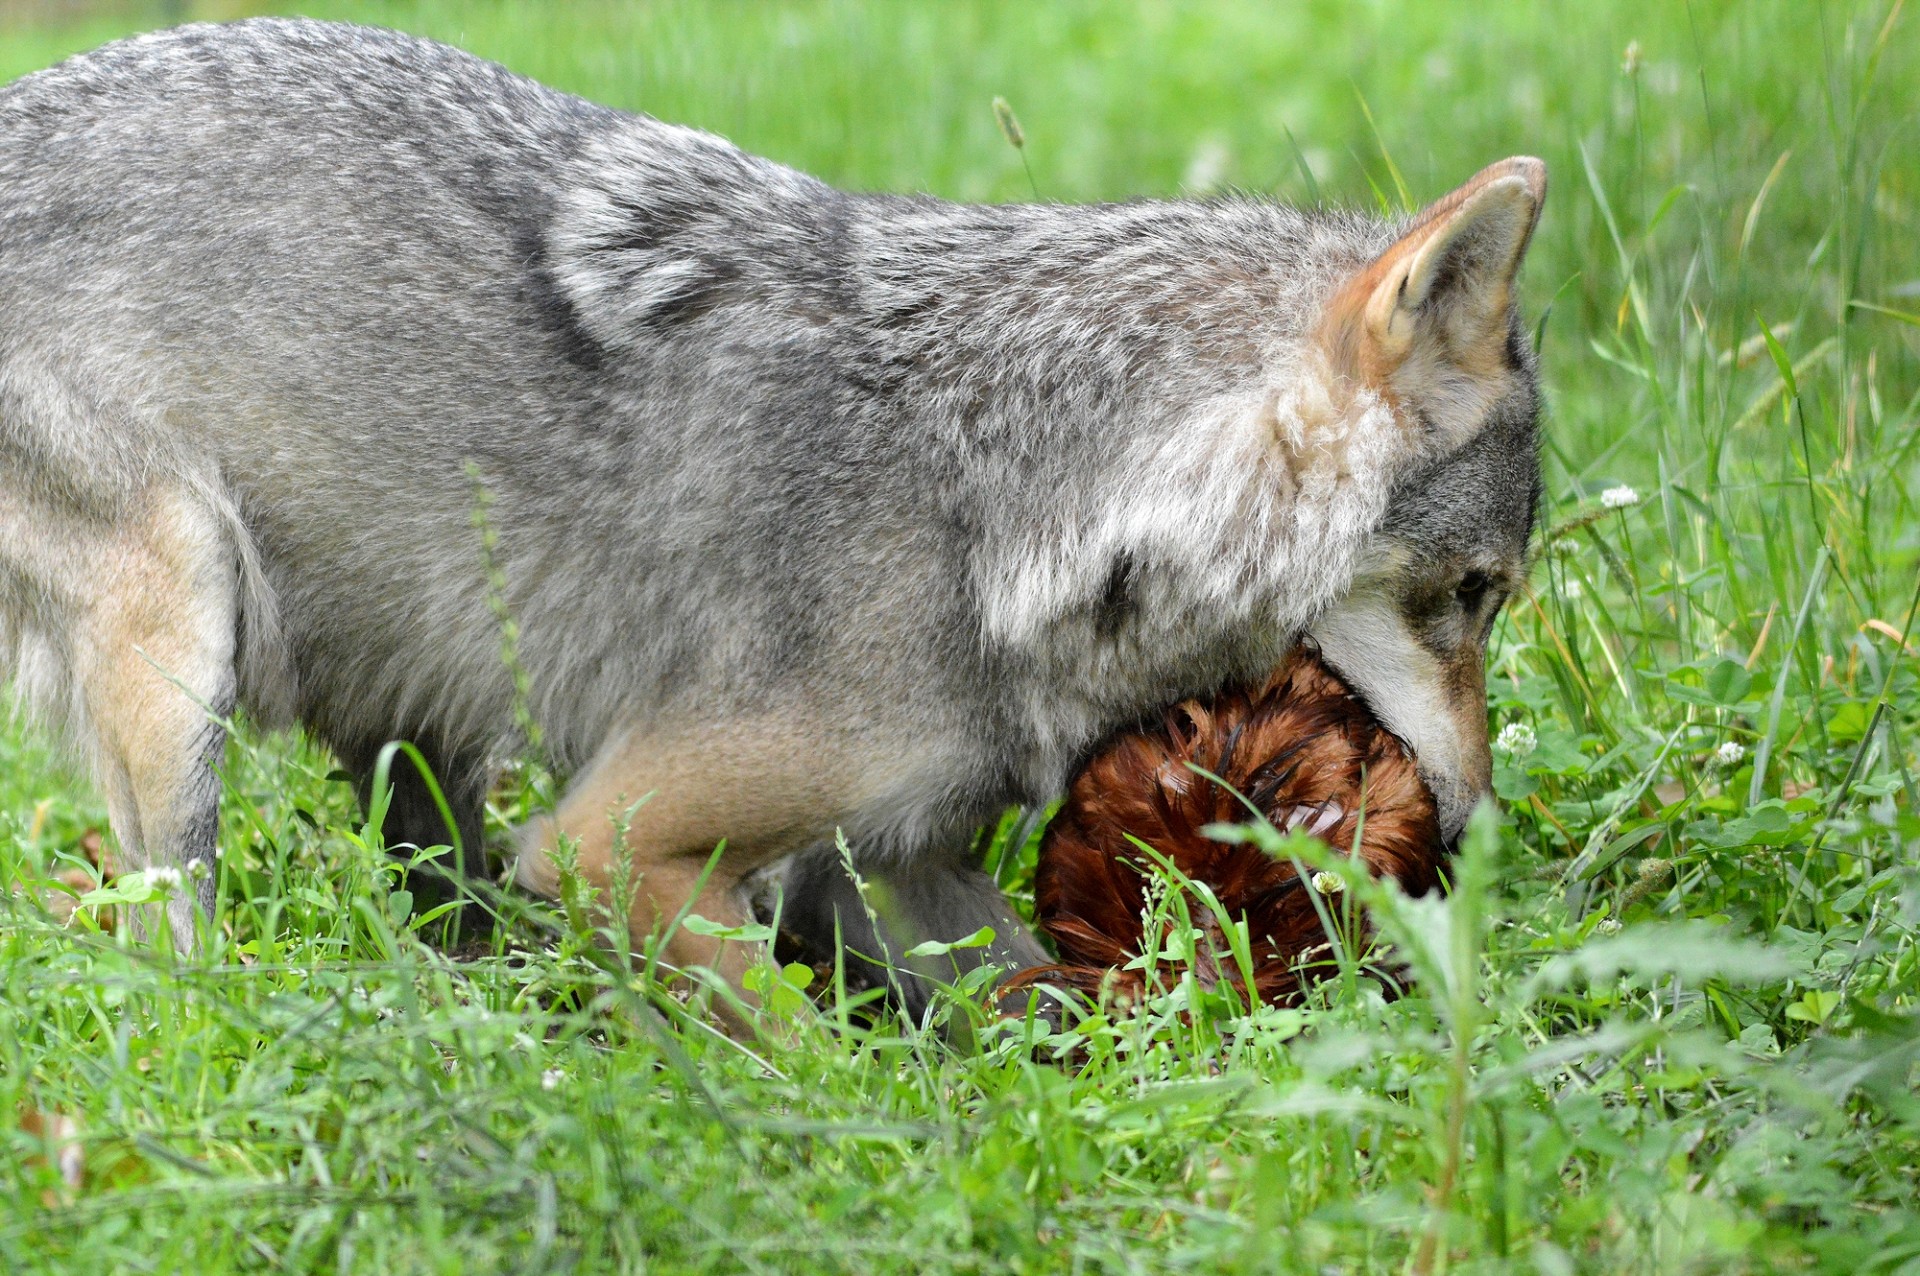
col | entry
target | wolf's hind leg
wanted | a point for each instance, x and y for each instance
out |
(942, 895)
(145, 603)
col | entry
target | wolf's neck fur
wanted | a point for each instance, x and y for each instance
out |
(1233, 480)
(1195, 559)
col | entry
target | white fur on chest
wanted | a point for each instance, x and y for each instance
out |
(1241, 527)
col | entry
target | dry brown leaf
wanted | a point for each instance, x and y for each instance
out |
(64, 1149)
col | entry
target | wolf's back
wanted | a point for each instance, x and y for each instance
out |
(305, 269)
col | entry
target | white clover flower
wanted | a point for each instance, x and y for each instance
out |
(1619, 498)
(196, 867)
(551, 1078)
(164, 877)
(1730, 755)
(1607, 926)
(1516, 739)
(1328, 883)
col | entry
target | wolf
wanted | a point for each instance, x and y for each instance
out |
(819, 514)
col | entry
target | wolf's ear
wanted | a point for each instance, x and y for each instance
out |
(1443, 291)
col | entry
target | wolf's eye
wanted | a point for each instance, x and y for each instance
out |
(1472, 590)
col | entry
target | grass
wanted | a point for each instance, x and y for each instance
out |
(1667, 1020)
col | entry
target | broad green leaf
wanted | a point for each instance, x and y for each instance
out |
(747, 933)
(934, 948)
(1848, 723)
(1728, 682)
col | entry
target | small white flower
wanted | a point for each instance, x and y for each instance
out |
(1619, 498)
(1328, 883)
(196, 867)
(551, 1078)
(1730, 755)
(164, 878)
(1516, 739)
(1607, 926)
(1153, 892)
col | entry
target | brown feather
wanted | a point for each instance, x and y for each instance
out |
(1299, 740)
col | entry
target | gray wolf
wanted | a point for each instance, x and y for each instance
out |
(818, 511)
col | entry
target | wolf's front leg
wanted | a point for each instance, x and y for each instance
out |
(940, 894)
(660, 799)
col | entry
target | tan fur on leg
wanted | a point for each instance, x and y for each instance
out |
(664, 798)
(148, 601)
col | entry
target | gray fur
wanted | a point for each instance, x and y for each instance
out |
(989, 482)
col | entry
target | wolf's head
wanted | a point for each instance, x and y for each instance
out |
(1430, 326)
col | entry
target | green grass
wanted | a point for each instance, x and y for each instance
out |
(1725, 1084)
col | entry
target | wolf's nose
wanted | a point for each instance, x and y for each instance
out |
(1456, 800)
